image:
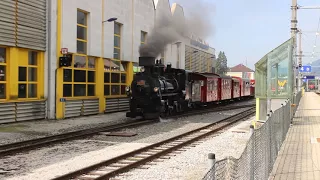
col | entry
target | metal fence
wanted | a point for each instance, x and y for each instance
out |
(257, 159)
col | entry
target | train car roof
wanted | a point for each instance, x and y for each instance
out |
(225, 77)
(209, 75)
(245, 79)
(235, 79)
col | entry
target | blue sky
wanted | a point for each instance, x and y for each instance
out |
(248, 29)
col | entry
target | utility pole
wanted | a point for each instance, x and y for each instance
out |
(294, 22)
(300, 60)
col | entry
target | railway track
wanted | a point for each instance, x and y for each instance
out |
(18, 147)
(115, 166)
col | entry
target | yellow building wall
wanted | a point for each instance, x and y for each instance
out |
(99, 73)
(19, 57)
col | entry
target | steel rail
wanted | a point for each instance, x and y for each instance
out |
(184, 139)
(12, 148)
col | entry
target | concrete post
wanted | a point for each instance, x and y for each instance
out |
(212, 160)
(251, 129)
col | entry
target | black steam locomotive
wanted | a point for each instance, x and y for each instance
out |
(157, 90)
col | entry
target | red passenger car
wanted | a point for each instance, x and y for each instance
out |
(244, 86)
(235, 88)
(252, 87)
(210, 90)
(225, 83)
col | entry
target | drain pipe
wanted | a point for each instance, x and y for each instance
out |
(49, 88)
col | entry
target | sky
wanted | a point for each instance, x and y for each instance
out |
(246, 30)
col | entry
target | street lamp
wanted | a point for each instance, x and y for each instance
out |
(110, 20)
(178, 54)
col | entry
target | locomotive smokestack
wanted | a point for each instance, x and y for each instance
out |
(146, 61)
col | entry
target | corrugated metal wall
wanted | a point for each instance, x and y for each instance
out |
(75, 108)
(31, 24)
(23, 23)
(22, 111)
(117, 105)
(7, 22)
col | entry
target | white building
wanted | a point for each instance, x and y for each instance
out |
(103, 54)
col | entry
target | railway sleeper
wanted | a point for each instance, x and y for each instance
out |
(108, 169)
(134, 158)
(165, 157)
(97, 173)
(142, 156)
(117, 165)
(155, 150)
(128, 161)
(87, 177)
(149, 152)
(160, 148)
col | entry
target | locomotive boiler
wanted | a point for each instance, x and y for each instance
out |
(157, 90)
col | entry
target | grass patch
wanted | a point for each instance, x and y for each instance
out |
(12, 128)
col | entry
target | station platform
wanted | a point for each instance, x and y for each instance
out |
(299, 156)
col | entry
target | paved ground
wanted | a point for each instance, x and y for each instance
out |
(299, 157)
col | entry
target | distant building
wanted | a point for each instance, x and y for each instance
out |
(242, 71)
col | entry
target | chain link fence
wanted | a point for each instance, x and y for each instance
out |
(256, 161)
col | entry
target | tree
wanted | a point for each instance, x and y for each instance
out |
(224, 63)
(221, 64)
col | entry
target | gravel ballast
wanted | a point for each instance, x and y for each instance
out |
(76, 154)
(193, 163)
(20, 131)
(10, 133)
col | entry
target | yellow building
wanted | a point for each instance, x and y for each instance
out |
(22, 52)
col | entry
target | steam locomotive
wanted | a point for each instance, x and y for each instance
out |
(159, 91)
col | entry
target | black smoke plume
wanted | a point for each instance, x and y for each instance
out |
(198, 22)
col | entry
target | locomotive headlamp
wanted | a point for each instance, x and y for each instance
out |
(127, 88)
(155, 89)
(142, 69)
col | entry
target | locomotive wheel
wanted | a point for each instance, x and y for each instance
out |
(149, 116)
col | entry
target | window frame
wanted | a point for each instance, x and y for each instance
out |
(27, 81)
(6, 82)
(120, 39)
(86, 33)
(144, 34)
(87, 69)
(119, 83)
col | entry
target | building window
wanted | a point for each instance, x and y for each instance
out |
(82, 29)
(28, 77)
(79, 80)
(162, 58)
(115, 77)
(3, 70)
(117, 41)
(143, 37)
